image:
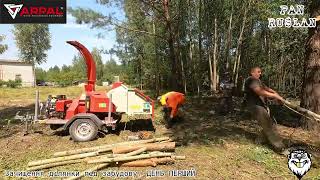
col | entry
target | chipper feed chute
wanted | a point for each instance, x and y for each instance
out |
(130, 101)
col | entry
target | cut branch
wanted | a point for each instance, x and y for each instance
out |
(50, 165)
(303, 111)
(59, 159)
(129, 158)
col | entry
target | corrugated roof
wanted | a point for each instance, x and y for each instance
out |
(9, 61)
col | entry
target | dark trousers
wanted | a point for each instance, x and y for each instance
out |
(261, 114)
(167, 111)
(170, 121)
(225, 105)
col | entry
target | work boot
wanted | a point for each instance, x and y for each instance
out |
(285, 152)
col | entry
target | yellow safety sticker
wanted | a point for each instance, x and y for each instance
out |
(135, 106)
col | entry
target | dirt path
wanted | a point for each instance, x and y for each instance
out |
(216, 147)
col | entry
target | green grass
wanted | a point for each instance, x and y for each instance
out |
(264, 156)
(20, 94)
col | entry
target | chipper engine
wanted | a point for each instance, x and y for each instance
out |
(95, 111)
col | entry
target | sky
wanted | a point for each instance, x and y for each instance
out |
(61, 52)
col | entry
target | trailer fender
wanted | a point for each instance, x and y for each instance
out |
(93, 117)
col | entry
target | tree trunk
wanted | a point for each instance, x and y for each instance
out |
(310, 98)
(214, 68)
(184, 77)
(240, 40)
(156, 68)
(200, 46)
(210, 71)
(190, 56)
(228, 42)
(174, 70)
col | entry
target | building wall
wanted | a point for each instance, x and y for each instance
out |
(11, 71)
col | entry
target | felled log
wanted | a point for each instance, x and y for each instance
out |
(108, 147)
(136, 152)
(129, 158)
(59, 159)
(139, 151)
(169, 146)
(82, 174)
(169, 140)
(46, 166)
(304, 111)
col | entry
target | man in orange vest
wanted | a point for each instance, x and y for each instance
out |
(171, 103)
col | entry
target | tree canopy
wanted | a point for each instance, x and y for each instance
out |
(3, 47)
(32, 40)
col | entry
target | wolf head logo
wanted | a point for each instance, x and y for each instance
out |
(13, 9)
(299, 162)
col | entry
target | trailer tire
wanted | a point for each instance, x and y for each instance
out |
(82, 130)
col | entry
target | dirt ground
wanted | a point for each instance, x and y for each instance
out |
(216, 147)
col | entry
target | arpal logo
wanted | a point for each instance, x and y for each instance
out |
(13, 9)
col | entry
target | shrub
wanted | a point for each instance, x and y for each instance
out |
(13, 84)
(2, 83)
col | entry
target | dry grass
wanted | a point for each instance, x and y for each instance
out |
(13, 100)
(216, 147)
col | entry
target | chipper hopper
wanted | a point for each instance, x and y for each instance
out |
(95, 111)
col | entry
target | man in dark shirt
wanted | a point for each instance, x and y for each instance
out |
(256, 94)
(226, 86)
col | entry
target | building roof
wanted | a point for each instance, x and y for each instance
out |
(16, 62)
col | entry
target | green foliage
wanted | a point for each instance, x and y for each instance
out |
(10, 83)
(3, 47)
(77, 71)
(2, 83)
(40, 75)
(264, 156)
(33, 40)
(99, 65)
(111, 69)
(143, 42)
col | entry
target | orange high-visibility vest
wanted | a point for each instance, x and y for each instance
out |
(173, 100)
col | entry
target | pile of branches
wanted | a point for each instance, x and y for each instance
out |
(140, 153)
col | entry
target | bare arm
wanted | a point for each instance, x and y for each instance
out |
(263, 92)
(270, 90)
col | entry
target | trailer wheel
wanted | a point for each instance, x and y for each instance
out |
(83, 130)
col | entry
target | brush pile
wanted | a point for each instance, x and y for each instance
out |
(140, 153)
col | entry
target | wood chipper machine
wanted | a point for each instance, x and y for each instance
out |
(95, 111)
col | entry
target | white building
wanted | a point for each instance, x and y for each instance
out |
(14, 70)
